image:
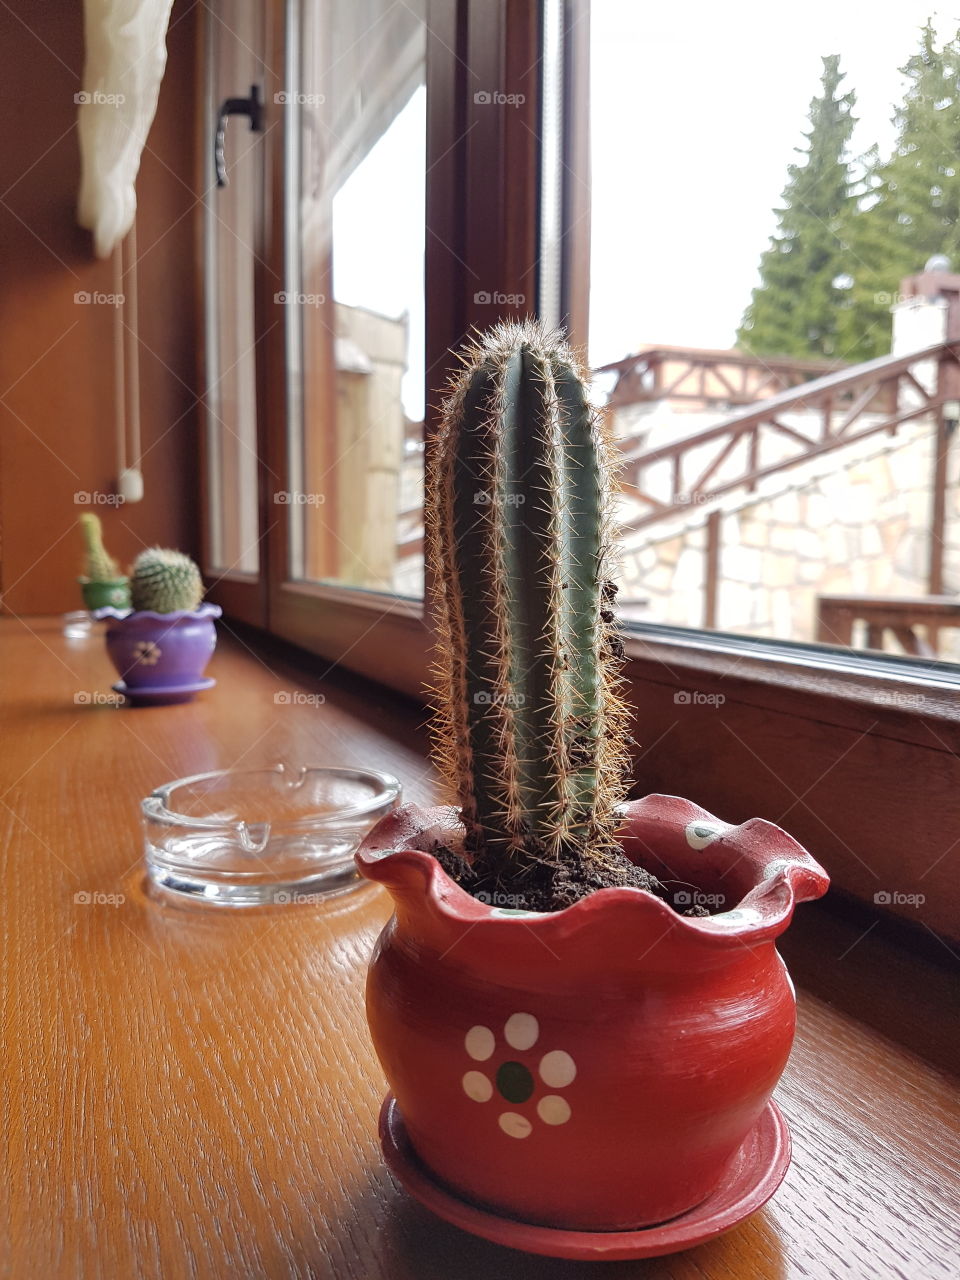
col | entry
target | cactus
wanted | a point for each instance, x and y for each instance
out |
(165, 582)
(98, 565)
(530, 729)
(102, 583)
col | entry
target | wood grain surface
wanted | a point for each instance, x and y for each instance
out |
(191, 1093)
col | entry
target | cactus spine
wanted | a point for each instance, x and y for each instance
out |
(530, 729)
(98, 565)
(165, 582)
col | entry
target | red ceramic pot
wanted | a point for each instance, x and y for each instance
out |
(594, 1068)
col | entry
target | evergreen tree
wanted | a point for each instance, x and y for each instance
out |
(910, 206)
(795, 309)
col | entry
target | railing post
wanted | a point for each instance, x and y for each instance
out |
(753, 457)
(677, 478)
(711, 581)
(834, 623)
(938, 507)
(895, 395)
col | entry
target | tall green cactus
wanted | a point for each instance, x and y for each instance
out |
(98, 565)
(530, 728)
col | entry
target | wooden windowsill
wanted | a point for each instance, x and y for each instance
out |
(195, 1093)
(851, 750)
(905, 692)
(846, 684)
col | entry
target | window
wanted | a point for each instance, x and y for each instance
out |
(479, 115)
(354, 296)
(232, 236)
(787, 436)
(405, 152)
(772, 348)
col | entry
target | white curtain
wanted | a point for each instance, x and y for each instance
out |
(125, 59)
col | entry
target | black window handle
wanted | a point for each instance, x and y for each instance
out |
(251, 107)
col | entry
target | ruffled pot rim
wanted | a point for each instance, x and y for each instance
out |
(397, 853)
(204, 610)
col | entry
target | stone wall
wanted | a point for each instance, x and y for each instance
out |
(840, 525)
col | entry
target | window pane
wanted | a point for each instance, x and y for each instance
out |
(233, 33)
(767, 237)
(354, 305)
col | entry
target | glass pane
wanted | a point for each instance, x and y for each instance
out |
(234, 31)
(777, 228)
(353, 302)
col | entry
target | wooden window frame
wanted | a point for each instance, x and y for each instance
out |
(241, 595)
(856, 755)
(483, 229)
(482, 232)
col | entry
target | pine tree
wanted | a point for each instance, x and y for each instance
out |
(795, 309)
(910, 207)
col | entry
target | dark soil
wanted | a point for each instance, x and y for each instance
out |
(542, 885)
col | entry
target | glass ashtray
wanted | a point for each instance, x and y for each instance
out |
(249, 837)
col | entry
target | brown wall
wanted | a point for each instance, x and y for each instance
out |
(56, 356)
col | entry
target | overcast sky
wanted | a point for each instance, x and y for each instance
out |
(695, 109)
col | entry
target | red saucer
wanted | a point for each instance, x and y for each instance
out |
(752, 1177)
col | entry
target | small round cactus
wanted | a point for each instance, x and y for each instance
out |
(165, 582)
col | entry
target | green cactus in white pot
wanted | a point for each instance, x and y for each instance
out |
(102, 582)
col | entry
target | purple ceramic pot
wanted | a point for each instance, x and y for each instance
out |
(161, 656)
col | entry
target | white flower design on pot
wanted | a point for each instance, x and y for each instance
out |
(511, 1080)
(147, 653)
(699, 833)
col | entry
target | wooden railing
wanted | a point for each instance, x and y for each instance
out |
(842, 407)
(837, 617)
(709, 377)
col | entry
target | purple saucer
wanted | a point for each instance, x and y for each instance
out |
(163, 695)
